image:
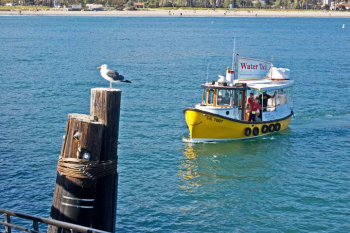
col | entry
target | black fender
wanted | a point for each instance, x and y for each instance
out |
(256, 131)
(264, 129)
(247, 131)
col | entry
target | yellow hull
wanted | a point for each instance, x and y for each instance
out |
(204, 126)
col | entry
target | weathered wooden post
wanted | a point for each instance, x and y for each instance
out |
(105, 106)
(75, 189)
(86, 185)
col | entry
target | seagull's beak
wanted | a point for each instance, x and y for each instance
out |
(99, 67)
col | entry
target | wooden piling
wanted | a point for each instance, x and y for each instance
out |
(74, 197)
(105, 106)
(86, 185)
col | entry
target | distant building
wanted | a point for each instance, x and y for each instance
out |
(139, 5)
(75, 7)
(327, 2)
(263, 3)
(341, 6)
(94, 7)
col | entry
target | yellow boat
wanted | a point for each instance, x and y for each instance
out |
(224, 111)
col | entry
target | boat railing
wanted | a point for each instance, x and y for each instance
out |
(35, 223)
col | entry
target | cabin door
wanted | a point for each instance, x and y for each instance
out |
(240, 97)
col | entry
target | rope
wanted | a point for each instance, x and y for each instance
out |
(84, 169)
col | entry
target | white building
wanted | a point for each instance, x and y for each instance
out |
(94, 6)
(326, 2)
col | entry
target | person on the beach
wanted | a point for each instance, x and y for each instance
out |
(254, 108)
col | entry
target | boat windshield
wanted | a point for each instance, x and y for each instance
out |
(204, 97)
(224, 97)
(211, 97)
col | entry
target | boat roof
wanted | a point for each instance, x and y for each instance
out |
(268, 85)
(216, 85)
(261, 85)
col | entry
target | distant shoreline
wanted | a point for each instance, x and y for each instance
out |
(183, 13)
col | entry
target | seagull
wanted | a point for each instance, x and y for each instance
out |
(111, 75)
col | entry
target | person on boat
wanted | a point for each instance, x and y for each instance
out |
(226, 99)
(265, 97)
(255, 106)
(250, 100)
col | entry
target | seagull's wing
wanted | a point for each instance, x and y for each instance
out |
(112, 74)
(115, 75)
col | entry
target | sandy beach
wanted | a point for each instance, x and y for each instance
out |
(182, 13)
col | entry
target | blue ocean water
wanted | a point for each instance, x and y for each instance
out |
(294, 181)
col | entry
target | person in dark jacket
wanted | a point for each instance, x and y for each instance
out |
(263, 101)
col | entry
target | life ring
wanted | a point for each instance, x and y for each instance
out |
(256, 131)
(271, 128)
(247, 131)
(277, 127)
(264, 129)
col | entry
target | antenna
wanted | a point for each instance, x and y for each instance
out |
(234, 51)
(272, 60)
(207, 72)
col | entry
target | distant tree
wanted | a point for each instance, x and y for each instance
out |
(278, 4)
(116, 3)
(257, 4)
(239, 3)
(295, 4)
(226, 3)
(213, 4)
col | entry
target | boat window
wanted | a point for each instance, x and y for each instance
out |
(235, 99)
(269, 99)
(238, 99)
(251, 95)
(204, 96)
(224, 97)
(211, 97)
(281, 96)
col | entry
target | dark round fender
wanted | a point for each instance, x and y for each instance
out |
(277, 127)
(264, 129)
(272, 128)
(247, 131)
(256, 131)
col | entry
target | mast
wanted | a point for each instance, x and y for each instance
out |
(234, 70)
(233, 52)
